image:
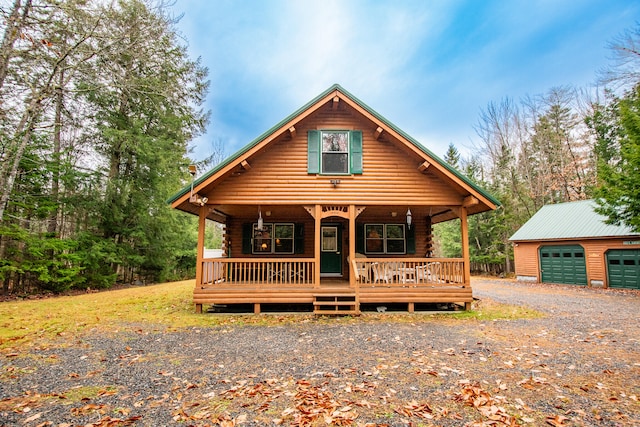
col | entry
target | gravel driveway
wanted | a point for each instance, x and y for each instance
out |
(578, 365)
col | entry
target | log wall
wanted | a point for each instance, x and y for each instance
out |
(390, 176)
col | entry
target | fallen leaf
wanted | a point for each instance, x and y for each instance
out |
(32, 418)
(556, 420)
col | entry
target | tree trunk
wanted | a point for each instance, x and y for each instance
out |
(12, 32)
(8, 173)
(55, 180)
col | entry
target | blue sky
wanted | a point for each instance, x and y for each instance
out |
(428, 66)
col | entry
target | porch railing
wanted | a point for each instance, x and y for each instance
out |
(409, 271)
(300, 272)
(258, 271)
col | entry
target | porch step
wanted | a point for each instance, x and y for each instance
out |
(342, 304)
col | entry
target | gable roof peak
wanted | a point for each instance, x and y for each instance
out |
(312, 106)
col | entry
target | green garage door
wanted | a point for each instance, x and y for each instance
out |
(563, 264)
(624, 268)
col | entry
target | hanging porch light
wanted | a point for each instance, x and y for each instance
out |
(260, 222)
(409, 218)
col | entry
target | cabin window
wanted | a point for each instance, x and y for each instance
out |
(385, 239)
(273, 238)
(334, 152)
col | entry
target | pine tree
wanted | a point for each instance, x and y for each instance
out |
(619, 194)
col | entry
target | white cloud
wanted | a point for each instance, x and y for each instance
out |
(427, 66)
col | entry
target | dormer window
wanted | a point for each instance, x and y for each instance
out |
(334, 152)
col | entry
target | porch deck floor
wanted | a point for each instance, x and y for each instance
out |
(227, 293)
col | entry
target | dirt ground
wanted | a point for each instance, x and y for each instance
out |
(577, 365)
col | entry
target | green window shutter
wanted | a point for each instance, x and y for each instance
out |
(360, 238)
(247, 230)
(355, 141)
(298, 240)
(313, 151)
(411, 240)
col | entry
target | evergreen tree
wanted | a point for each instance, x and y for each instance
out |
(98, 102)
(619, 193)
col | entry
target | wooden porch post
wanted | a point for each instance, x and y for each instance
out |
(464, 226)
(318, 243)
(352, 247)
(202, 221)
(354, 279)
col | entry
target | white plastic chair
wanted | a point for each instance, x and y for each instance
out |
(380, 273)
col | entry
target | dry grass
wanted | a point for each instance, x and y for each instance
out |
(170, 305)
(164, 305)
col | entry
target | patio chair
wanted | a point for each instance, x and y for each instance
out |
(429, 272)
(423, 274)
(362, 271)
(381, 273)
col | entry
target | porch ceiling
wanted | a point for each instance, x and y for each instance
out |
(438, 213)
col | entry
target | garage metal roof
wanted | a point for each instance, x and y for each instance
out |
(571, 220)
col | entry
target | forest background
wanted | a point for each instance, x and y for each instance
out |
(98, 104)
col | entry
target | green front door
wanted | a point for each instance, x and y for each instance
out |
(623, 268)
(331, 250)
(563, 264)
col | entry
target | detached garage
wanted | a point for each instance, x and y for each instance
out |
(569, 243)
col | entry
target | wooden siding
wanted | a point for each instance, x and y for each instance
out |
(278, 174)
(526, 256)
(234, 225)
(234, 232)
(526, 259)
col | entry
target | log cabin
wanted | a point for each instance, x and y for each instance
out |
(332, 207)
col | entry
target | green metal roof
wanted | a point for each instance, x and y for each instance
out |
(571, 220)
(309, 104)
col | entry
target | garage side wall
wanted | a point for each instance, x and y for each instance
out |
(595, 251)
(526, 260)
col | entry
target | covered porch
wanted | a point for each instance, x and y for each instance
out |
(337, 268)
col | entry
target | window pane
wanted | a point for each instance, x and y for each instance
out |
(335, 162)
(284, 245)
(262, 238)
(395, 246)
(329, 239)
(284, 231)
(283, 238)
(395, 231)
(335, 142)
(374, 238)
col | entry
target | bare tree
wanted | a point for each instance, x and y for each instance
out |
(625, 71)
